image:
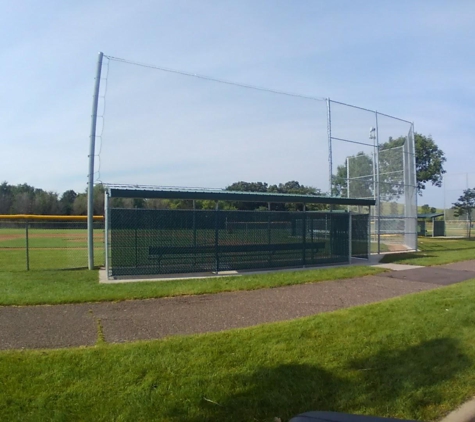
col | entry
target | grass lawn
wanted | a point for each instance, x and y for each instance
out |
(75, 286)
(14, 260)
(436, 252)
(411, 357)
(49, 249)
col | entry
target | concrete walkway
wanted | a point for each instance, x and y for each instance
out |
(80, 325)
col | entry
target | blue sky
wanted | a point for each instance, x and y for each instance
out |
(411, 59)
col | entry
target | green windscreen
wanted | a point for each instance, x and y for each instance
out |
(359, 236)
(144, 241)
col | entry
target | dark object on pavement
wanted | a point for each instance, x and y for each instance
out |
(339, 417)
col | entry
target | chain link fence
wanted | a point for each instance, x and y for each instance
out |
(454, 185)
(372, 156)
(47, 243)
(145, 241)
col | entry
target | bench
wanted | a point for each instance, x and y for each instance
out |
(159, 252)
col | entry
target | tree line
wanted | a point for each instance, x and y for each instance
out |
(26, 199)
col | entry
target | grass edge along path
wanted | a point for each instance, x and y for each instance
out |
(435, 251)
(80, 286)
(411, 358)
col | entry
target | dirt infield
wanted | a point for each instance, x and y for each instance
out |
(79, 325)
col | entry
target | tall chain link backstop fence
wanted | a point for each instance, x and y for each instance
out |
(202, 131)
(372, 155)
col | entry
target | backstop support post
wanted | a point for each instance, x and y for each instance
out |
(378, 188)
(90, 185)
(216, 236)
(106, 231)
(330, 153)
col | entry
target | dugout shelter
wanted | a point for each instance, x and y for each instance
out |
(147, 241)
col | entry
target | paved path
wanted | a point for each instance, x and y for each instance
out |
(77, 325)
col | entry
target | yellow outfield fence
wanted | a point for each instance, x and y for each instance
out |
(48, 242)
(32, 217)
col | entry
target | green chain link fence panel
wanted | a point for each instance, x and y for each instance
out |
(183, 241)
(359, 236)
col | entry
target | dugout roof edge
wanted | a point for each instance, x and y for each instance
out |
(224, 195)
(430, 215)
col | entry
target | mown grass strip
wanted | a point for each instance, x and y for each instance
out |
(436, 252)
(411, 358)
(77, 286)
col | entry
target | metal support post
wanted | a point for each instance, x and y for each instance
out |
(269, 233)
(194, 232)
(375, 209)
(216, 236)
(304, 236)
(369, 231)
(330, 153)
(106, 231)
(92, 147)
(136, 240)
(27, 246)
(312, 257)
(348, 177)
(413, 161)
(378, 188)
(350, 238)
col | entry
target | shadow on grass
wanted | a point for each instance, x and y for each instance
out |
(441, 249)
(400, 383)
(413, 376)
(405, 256)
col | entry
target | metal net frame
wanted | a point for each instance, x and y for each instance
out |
(194, 113)
(378, 163)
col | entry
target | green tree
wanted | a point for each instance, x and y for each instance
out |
(426, 209)
(156, 204)
(23, 199)
(294, 187)
(45, 203)
(247, 187)
(80, 204)
(430, 160)
(465, 206)
(66, 202)
(6, 198)
(360, 181)
(98, 194)
(290, 187)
